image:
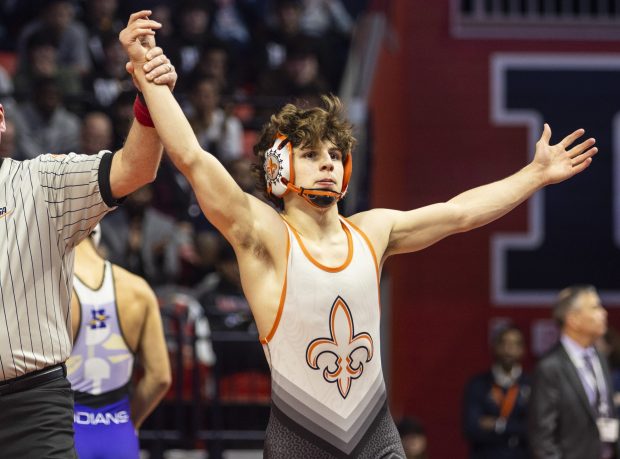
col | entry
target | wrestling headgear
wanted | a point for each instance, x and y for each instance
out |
(280, 175)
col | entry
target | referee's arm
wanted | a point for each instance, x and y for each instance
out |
(135, 165)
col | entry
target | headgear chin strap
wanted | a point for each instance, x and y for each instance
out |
(280, 175)
(316, 196)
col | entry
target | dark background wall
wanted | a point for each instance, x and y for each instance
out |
(434, 137)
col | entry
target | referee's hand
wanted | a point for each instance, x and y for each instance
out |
(158, 69)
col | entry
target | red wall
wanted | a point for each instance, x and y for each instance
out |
(435, 89)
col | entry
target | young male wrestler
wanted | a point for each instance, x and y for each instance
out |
(311, 276)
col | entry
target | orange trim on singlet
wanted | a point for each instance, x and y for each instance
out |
(276, 322)
(372, 250)
(374, 257)
(319, 265)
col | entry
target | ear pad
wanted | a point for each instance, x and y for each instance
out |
(278, 166)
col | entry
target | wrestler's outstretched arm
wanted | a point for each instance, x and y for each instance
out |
(395, 232)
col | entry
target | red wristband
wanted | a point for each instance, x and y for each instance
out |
(141, 112)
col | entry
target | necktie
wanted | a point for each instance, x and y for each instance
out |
(587, 358)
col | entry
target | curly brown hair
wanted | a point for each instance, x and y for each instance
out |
(304, 127)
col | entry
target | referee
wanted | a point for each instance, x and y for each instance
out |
(48, 205)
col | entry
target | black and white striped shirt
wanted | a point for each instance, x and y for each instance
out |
(47, 206)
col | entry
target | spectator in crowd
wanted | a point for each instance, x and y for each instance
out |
(284, 29)
(58, 20)
(322, 17)
(96, 133)
(143, 240)
(495, 402)
(13, 15)
(232, 24)
(174, 197)
(121, 114)
(42, 62)
(299, 77)
(240, 170)
(111, 78)
(330, 20)
(194, 32)
(217, 130)
(571, 413)
(215, 62)
(101, 19)
(413, 436)
(229, 25)
(189, 344)
(44, 123)
(221, 295)
(167, 36)
(208, 244)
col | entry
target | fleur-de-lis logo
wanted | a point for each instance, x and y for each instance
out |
(272, 166)
(346, 351)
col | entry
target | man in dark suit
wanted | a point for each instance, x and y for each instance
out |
(571, 412)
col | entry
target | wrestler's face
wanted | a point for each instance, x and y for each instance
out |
(319, 167)
(2, 123)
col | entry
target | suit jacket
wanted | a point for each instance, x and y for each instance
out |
(561, 422)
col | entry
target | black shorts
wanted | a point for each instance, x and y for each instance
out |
(37, 423)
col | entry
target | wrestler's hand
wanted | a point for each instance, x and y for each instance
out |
(139, 36)
(564, 159)
(157, 69)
